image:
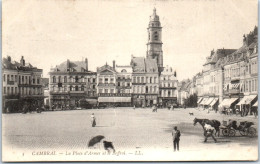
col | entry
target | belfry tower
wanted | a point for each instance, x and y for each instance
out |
(154, 45)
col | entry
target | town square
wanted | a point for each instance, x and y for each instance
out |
(149, 132)
(130, 81)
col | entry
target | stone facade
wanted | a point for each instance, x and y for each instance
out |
(22, 85)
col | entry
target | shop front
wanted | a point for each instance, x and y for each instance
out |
(167, 101)
(115, 99)
(151, 100)
(138, 100)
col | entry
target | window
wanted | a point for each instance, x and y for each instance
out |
(142, 79)
(54, 79)
(150, 79)
(146, 89)
(38, 81)
(106, 90)
(155, 35)
(155, 80)
(134, 80)
(76, 88)
(59, 79)
(106, 80)
(71, 88)
(253, 85)
(4, 77)
(169, 93)
(65, 79)
(138, 79)
(154, 89)
(15, 78)
(8, 78)
(4, 90)
(94, 80)
(100, 90)
(94, 86)
(100, 80)
(151, 89)
(118, 84)
(128, 84)
(82, 87)
(111, 90)
(112, 80)
(250, 86)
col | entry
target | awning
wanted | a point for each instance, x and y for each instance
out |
(213, 102)
(247, 99)
(250, 99)
(223, 102)
(242, 101)
(199, 100)
(203, 101)
(229, 102)
(114, 99)
(209, 101)
(92, 101)
(255, 104)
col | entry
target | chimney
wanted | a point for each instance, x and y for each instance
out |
(86, 62)
(9, 58)
(114, 64)
(22, 61)
(68, 65)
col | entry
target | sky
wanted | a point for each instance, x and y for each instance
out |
(49, 32)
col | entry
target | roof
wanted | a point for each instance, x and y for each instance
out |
(105, 67)
(138, 64)
(219, 53)
(151, 65)
(7, 63)
(72, 66)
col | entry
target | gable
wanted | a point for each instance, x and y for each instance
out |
(106, 72)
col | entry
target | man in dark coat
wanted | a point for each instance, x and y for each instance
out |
(176, 134)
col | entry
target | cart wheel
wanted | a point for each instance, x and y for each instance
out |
(232, 132)
(243, 132)
(251, 132)
(225, 132)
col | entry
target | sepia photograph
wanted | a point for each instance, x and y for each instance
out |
(139, 80)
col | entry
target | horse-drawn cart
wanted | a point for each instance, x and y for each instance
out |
(245, 129)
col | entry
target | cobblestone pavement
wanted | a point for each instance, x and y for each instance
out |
(135, 131)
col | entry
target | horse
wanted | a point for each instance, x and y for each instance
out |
(207, 127)
(214, 123)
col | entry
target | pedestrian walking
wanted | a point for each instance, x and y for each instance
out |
(93, 120)
(176, 134)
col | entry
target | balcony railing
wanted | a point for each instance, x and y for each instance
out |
(234, 91)
(77, 92)
(59, 92)
(114, 94)
(107, 84)
(135, 83)
(164, 87)
(9, 82)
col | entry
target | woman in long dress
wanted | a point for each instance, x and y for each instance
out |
(93, 120)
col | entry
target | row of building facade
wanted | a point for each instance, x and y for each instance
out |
(22, 85)
(142, 83)
(229, 78)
